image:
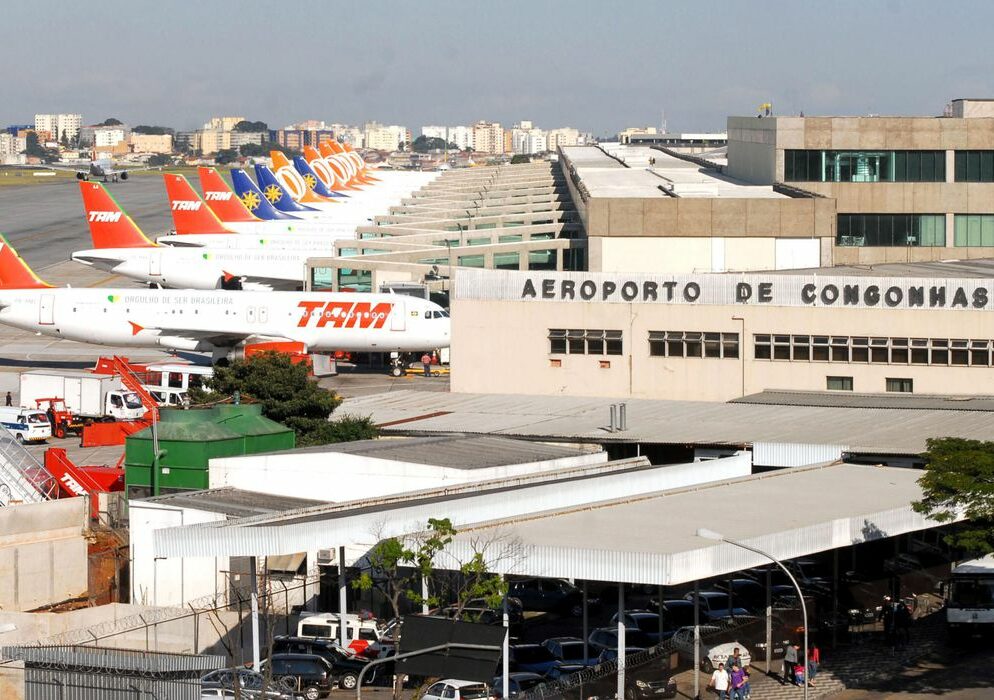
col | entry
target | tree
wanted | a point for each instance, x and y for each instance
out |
(245, 125)
(225, 156)
(34, 148)
(158, 160)
(64, 141)
(288, 396)
(423, 144)
(252, 150)
(152, 130)
(959, 480)
(111, 122)
(520, 158)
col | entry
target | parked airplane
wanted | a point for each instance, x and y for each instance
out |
(100, 168)
(297, 185)
(224, 323)
(119, 246)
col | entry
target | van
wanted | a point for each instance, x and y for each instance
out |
(25, 424)
(361, 636)
(169, 398)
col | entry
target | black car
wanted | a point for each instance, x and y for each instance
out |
(345, 666)
(549, 595)
(310, 675)
(607, 638)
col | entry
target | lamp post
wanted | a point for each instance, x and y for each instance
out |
(712, 535)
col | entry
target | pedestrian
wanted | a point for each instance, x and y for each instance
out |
(902, 624)
(9, 399)
(789, 661)
(426, 363)
(738, 680)
(799, 675)
(814, 661)
(736, 660)
(887, 616)
(719, 681)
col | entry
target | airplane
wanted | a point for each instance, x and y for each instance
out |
(197, 224)
(224, 323)
(301, 188)
(100, 168)
(120, 247)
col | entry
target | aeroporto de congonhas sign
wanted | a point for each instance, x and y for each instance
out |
(727, 289)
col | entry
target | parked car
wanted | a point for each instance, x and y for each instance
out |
(310, 675)
(746, 593)
(218, 683)
(712, 650)
(483, 616)
(533, 658)
(515, 611)
(549, 595)
(453, 689)
(569, 651)
(751, 629)
(646, 622)
(677, 613)
(516, 683)
(607, 638)
(716, 605)
(650, 680)
(346, 665)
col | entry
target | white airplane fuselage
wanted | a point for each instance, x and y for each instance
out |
(197, 320)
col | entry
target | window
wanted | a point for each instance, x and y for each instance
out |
(890, 230)
(957, 352)
(864, 166)
(974, 230)
(838, 383)
(974, 166)
(695, 344)
(576, 341)
(901, 385)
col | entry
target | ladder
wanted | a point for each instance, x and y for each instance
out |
(131, 381)
(22, 477)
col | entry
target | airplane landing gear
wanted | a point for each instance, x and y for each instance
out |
(396, 365)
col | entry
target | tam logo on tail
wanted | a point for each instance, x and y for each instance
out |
(180, 205)
(105, 217)
(217, 196)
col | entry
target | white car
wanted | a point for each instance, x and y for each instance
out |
(452, 689)
(712, 653)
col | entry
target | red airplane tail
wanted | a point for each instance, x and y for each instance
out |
(190, 214)
(110, 227)
(14, 272)
(221, 199)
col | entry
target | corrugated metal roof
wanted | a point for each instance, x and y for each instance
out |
(848, 399)
(236, 503)
(453, 451)
(863, 430)
(103, 659)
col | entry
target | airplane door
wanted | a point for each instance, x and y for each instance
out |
(46, 309)
(250, 314)
(263, 314)
(155, 262)
(398, 318)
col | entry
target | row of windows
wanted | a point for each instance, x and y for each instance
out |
(863, 349)
(693, 344)
(573, 341)
(902, 385)
(974, 166)
(890, 230)
(864, 166)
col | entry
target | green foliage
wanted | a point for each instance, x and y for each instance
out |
(225, 156)
(64, 141)
(520, 158)
(959, 478)
(157, 160)
(151, 130)
(245, 125)
(423, 144)
(288, 396)
(111, 122)
(34, 148)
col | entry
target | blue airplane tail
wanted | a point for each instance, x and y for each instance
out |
(253, 198)
(311, 178)
(274, 191)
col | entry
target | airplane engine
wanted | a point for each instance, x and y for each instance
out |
(82, 176)
(124, 176)
(296, 351)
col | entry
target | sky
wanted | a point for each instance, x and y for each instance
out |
(598, 66)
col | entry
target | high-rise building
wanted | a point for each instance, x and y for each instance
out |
(488, 137)
(223, 123)
(565, 136)
(11, 147)
(435, 132)
(59, 124)
(527, 139)
(385, 138)
(151, 143)
(109, 136)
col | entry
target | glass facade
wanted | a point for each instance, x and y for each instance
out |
(890, 230)
(974, 166)
(974, 230)
(864, 166)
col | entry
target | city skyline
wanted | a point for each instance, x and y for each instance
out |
(565, 65)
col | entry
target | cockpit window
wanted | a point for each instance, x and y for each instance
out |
(438, 314)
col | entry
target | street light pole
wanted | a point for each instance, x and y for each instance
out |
(712, 535)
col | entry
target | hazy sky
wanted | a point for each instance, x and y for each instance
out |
(599, 66)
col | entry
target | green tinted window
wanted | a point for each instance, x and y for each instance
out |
(974, 166)
(866, 230)
(864, 166)
(975, 230)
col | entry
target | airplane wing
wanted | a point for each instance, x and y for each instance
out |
(224, 340)
(276, 284)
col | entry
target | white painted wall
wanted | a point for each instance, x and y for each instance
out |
(795, 253)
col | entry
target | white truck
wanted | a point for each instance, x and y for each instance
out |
(970, 597)
(25, 424)
(87, 395)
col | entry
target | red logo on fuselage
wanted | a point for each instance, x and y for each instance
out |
(344, 314)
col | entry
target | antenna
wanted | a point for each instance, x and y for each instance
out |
(663, 119)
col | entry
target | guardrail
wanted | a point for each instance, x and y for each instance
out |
(22, 477)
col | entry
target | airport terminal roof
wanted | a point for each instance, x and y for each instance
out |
(980, 268)
(848, 399)
(679, 177)
(585, 419)
(236, 503)
(452, 451)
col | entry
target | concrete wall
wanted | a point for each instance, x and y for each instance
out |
(691, 254)
(43, 553)
(752, 144)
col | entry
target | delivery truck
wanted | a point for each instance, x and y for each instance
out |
(87, 395)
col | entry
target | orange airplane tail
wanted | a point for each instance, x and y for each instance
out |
(110, 227)
(190, 214)
(221, 199)
(14, 272)
(293, 182)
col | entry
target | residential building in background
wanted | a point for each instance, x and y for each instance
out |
(296, 138)
(109, 136)
(151, 143)
(385, 138)
(58, 125)
(527, 139)
(435, 132)
(461, 136)
(565, 136)
(349, 134)
(10, 149)
(488, 137)
(223, 123)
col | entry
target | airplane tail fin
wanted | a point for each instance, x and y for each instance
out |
(110, 226)
(188, 210)
(275, 192)
(328, 175)
(311, 178)
(364, 166)
(252, 197)
(14, 272)
(221, 200)
(293, 182)
(343, 167)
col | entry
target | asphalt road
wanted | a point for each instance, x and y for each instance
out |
(45, 222)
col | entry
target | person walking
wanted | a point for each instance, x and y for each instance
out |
(738, 680)
(887, 616)
(814, 661)
(902, 624)
(9, 400)
(736, 660)
(720, 681)
(789, 661)
(426, 363)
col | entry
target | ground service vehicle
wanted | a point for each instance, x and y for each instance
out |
(86, 395)
(970, 597)
(25, 424)
(452, 689)
(361, 636)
